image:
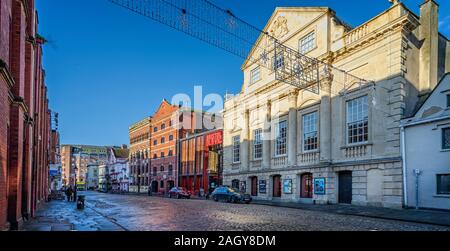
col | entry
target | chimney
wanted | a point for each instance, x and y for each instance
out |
(429, 35)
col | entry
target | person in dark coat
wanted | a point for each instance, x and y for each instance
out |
(69, 193)
(75, 194)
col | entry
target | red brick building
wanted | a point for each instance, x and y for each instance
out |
(165, 134)
(25, 117)
(201, 161)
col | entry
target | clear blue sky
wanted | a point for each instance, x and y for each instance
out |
(108, 68)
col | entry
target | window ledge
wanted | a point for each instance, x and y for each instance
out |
(442, 196)
(357, 145)
(309, 152)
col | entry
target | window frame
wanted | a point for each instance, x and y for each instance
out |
(252, 75)
(236, 154)
(438, 184)
(443, 145)
(310, 132)
(279, 152)
(309, 45)
(355, 122)
(257, 144)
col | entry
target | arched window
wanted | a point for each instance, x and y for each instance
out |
(155, 170)
(163, 140)
(155, 156)
(170, 152)
(162, 155)
(162, 169)
(163, 126)
(170, 170)
(170, 137)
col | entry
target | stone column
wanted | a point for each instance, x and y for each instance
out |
(292, 129)
(245, 141)
(267, 142)
(325, 119)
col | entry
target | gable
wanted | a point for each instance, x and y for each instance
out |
(436, 103)
(165, 108)
(283, 23)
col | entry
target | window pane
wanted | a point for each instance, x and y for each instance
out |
(446, 138)
(358, 120)
(443, 184)
(310, 134)
(280, 142)
(307, 43)
(257, 144)
(255, 75)
(236, 148)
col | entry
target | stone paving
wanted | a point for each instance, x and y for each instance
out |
(63, 216)
(108, 212)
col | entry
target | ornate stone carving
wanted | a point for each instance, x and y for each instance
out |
(279, 28)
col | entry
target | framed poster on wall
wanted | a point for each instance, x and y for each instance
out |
(287, 186)
(262, 186)
(319, 186)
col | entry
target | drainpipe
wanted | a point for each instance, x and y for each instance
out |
(403, 149)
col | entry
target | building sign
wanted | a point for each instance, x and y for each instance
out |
(287, 186)
(214, 139)
(262, 186)
(319, 186)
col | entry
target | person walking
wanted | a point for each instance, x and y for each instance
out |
(75, 194)
(69, 193)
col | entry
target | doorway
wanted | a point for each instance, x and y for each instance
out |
(345, 187)
(154, 186)
(277, 186)
(306, 190)
(254, 190)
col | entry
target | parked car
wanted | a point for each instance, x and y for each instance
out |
(179, 193)
(227, 194)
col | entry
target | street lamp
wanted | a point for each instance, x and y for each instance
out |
(75, 182)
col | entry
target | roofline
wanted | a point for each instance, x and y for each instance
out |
(424, 121)
(431, 93)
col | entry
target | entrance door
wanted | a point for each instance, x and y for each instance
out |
(307, 186)
(155, 186)
(254, 186)
(277, 186)
(345, 187)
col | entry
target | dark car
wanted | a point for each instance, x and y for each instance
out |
(229, 195)
(179, 193)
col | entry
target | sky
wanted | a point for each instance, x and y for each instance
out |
(107, 68)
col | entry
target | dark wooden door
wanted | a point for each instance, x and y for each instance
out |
(307, 186)
(254, 186)
(345, 187)
(277, 186)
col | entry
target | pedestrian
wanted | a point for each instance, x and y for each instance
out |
(75, 194)
(69, 193)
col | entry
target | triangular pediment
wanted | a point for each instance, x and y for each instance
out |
(284, 22)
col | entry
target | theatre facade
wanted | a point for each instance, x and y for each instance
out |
(341, 144)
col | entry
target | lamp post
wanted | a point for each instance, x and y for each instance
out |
(75, 182)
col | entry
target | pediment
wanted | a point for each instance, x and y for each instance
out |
(283, 23)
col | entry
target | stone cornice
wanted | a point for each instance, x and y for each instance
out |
(19, 101)
(407, 22)
(6, 74)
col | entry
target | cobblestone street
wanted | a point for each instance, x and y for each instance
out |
(107, 212)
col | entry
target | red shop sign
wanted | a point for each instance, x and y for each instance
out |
(214, 139)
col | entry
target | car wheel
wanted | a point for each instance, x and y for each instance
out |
(178, 196)
(170, 195)
(230, 199)
(215, 199)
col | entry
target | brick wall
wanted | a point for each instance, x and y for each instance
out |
(25, 117)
